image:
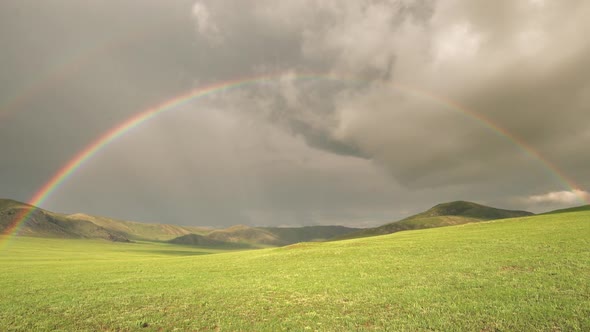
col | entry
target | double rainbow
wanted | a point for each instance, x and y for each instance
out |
(140, 118)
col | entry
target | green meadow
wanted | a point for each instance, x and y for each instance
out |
(521, 274)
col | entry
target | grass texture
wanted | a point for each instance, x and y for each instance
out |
(522, 274)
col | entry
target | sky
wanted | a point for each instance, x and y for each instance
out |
(372, 110)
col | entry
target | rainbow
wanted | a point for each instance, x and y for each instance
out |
(142, 117)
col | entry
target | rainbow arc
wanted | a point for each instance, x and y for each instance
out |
(135, 121)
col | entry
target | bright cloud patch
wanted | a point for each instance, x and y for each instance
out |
(561, 197)
(205, 25)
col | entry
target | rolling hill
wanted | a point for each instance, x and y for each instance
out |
(291, 235)
(445, 214)
(48, 224)
(246, 234)
(141, 231)
(206, 242)
(573, 209)
(44, 223)
(278, 236)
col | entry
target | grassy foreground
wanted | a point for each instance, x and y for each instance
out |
(521, 274)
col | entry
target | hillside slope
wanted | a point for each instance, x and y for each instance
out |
(445, 214)
(278, 236)
(470, 210)
(246, 234)
(290, 235)
(141, 231)
(49, 224)
(43, 223)
(206, 242)
(572, 209)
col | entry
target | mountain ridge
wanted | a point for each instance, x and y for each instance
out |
(43, 223)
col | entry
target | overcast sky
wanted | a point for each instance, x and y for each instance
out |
(351, 150)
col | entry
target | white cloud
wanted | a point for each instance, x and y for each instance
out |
(456, 43)
(205, 25)
(561, 197)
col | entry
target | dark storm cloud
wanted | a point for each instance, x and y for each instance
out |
(294, 151)
(521, 64)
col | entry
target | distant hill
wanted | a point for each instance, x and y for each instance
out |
(246, 234)
(205, 241)
(278, 236)
(446, 214)
(49, 224)
(6, 204)
(573, 209)
(291, 235)
(141, 231)
(43, 223)
(470, 210)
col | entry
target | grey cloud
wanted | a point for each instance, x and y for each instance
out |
(349, 150)
(517, 63)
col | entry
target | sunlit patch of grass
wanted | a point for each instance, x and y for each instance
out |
(515, 274)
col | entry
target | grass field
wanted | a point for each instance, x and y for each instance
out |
(525, 274)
